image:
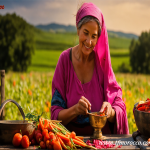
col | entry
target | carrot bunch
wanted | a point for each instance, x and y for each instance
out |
(144, 106)
(52, 134)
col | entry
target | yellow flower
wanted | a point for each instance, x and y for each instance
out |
(142, 90)
(129, 93)
(123, 93)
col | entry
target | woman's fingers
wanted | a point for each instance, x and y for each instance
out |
(88, 103)
(107, 106)
(104, 105)
(83, 106)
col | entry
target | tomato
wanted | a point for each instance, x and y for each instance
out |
(56, 145)
(50, 146)
(46, 137)
(47, 143)
(25, 141)
(17, 139)
(33, 142)
(37, 131)
(42, 145)
(39, 137)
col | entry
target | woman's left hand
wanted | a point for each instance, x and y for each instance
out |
(109, 111)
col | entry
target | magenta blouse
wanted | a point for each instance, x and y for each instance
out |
(66, 82)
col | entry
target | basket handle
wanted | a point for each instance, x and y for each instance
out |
(13, 101)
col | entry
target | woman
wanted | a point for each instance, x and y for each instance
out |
(84, 80)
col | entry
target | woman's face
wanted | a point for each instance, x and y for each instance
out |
(88, 35)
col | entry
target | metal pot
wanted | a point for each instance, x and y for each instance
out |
(142, 120)
(8, 128)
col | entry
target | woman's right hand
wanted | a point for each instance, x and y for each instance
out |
(82, 107)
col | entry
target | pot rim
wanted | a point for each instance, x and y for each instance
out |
(15, 122)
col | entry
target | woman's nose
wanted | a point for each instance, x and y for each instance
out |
(89, 41)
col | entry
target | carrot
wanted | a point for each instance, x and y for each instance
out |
(46, 123)
(80, 137)
(62, 143)
(41, 123)
(63, 137)
(79, 143)
(59, 128)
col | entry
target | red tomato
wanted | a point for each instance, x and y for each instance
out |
(52, 138)
(39, 137)
(47, 143)
(56, 145)
(17, 139)
(46, 137)
(37, 131)
(33, 142)
(50, 146)
(42, 145)
(25, 141)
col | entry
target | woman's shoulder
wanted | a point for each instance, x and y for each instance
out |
(64, 56)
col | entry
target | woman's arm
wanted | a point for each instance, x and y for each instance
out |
(81, 108)
(66, 115)
(112, 117)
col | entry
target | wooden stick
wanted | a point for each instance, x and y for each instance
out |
(2, 91)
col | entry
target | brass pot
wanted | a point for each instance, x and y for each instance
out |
(142, 120)
(8, 128)
(97, 122)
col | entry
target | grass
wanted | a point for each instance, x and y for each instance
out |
(119, 43)
(54, 41)
(118, 57)
(45, 60)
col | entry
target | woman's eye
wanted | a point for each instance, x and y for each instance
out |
(85, 33)
(93, 37)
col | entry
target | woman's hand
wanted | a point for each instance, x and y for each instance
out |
(82, 107)
(110, 112)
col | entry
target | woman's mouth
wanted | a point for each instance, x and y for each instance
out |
(87, 47)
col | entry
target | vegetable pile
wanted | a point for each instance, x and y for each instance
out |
(144, 105)
(51, 134)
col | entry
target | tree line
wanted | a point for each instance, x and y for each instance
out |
(16, 43)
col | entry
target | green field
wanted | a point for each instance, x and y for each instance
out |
(45, 61)
(50, 45)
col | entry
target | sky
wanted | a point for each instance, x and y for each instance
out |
(129, 16)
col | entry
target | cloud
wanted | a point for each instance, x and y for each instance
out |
(120, 15)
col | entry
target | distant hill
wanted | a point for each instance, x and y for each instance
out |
(54, 27)
(57, 27)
